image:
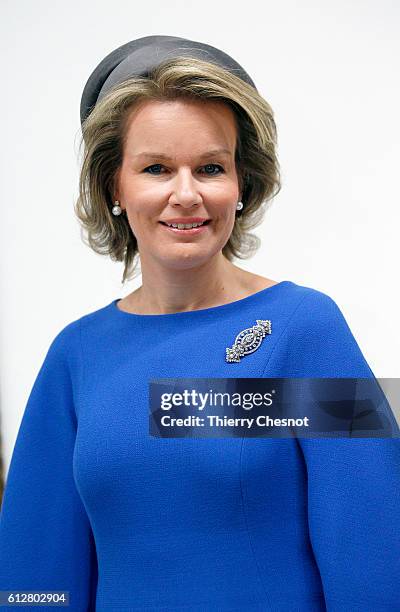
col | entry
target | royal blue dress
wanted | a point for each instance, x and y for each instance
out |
(122, 520)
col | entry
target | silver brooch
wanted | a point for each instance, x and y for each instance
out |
(248, 340)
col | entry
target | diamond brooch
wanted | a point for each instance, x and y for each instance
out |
(248, 340)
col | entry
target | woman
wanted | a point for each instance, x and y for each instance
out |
(175, 133)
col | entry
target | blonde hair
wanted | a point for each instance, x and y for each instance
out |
(103, 138)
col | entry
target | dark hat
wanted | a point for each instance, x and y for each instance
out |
(139, 57)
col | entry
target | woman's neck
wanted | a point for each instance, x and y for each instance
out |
(167, 294)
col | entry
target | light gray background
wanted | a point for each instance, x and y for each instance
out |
(328, 69)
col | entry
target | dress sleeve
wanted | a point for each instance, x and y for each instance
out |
(46, 541)
(353, 484)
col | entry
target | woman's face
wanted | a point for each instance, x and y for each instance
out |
(179, 163)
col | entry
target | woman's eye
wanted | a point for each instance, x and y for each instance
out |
(153, 166)
(207, 167)
(215, 166)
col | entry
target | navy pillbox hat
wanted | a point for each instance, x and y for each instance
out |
(140, 56)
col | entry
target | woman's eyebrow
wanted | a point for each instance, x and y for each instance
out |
(211, 153)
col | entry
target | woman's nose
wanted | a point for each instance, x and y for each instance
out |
(185, 189)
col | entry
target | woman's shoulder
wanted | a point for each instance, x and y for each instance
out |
(313, 307)
(70, 336)
(302, 310)
(300, 298)
(311, 297)
(317, 338)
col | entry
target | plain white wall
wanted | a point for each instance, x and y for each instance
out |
(329, 70)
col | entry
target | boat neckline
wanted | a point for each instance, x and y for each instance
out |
(191, 313)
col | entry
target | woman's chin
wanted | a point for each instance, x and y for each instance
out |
(185, 256)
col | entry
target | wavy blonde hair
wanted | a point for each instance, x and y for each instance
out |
(103, 138)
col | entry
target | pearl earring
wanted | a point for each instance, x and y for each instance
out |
(239, 206)
(116, 209)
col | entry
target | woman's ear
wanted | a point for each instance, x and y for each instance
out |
(243, 181)
(115, 186)
(240, 185)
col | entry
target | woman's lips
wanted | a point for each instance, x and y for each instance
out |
(190, 232)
